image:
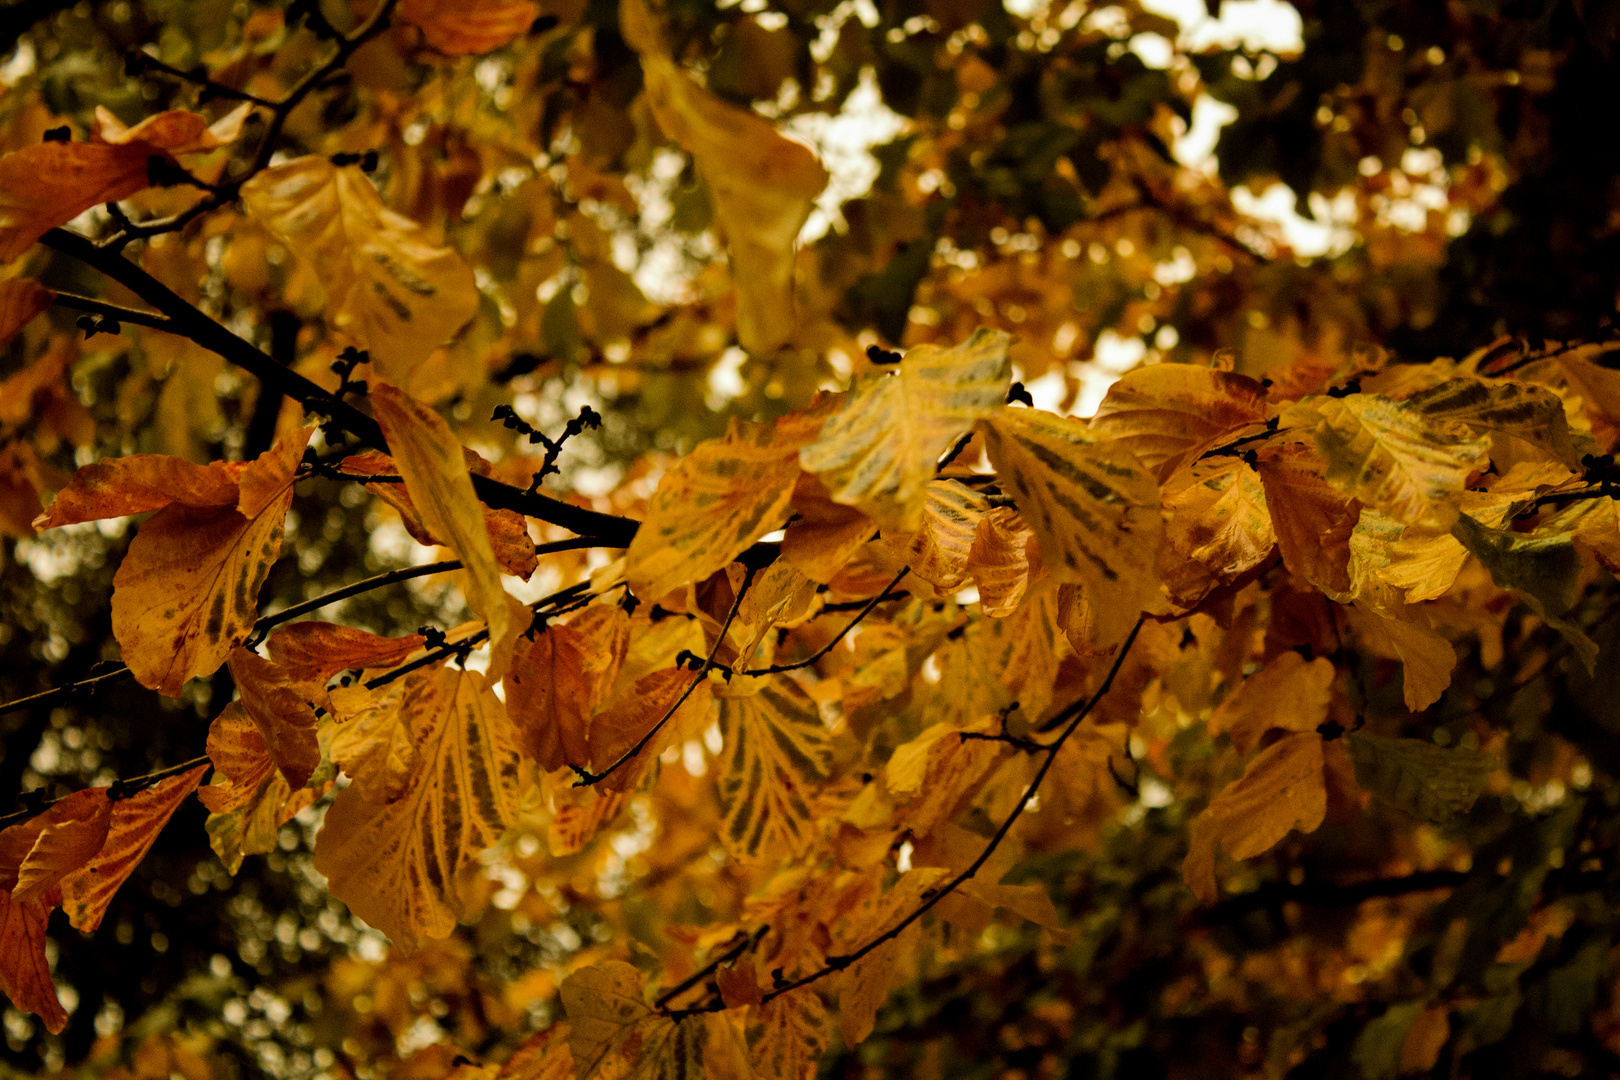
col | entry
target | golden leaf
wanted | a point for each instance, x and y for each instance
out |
(1311, 519)
(396, 862)
(1281, 790)
(430, 459)
(714, 503)
(249, 799)
(879, 453)
(776, 752)
(1531, 414)
(134, 485)
(1289, 693)
(1218, 527)
(470, 26)
(136, 822)
(70, 834)
(558, 679)
(187, 591)
(1093, 506)
(1000, 561)
(25, 974)
(938, 551)
(614, 1033)
(1427, 659)
(1390, 456)
(312, 652)
(617, 728)
(580, 814)
(279, 706)
(787, 1035)
(1165, 414)
(762, 183)
(396, 293)
(823, 534)
(864, 985)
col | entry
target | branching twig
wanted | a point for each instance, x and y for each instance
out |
(116, 312)
(1071, 719)
(775, 669)
(586, 778)
(120, 789)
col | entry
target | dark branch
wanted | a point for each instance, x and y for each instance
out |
(745, 943)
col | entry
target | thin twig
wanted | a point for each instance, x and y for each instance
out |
(586, 778)
(118, 789)
(776, 669)
(747, 942)
(1072, 717)
(117, 312)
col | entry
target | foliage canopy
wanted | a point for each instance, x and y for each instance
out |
(551, 538)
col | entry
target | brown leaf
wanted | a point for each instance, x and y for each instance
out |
(312, 652)
(1312, 520)
(1166, 413)
(20, 300)
(633, 713)
(1289, 693)
(279, 705)
(470, 26)
(136, 822)
(71, 833)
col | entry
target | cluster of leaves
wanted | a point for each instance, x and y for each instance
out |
(904, 723)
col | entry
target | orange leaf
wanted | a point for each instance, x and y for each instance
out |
(25, 975)
(1164, 413)
(312, 652)
(71, 833)
(739, 985)
(633, 713)
(1288, 693)
(279, 706)
(133, 485)
(249, 798)
(470, 26)
(136, 822)
(1313, 521)
(558, 679)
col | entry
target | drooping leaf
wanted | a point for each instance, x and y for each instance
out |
(787, 1035)
(398, 294)
(71, 834)
(1000, 561)
(187, 591)
(1280, 791)
(249, 799)
(470, 26)
(559, 677)
(134, 485)
(1435, 783)
(879, 453)
(580, 814)
(1389, 455)
(136, 822)
(1093, 506)
(1164, 414)
(762, 183)
(25, 974)
(1543, 571)
(938, 551)
(823, 534)
(1219, 527)
(435, 471)
(397, 861)
(614, 1033)
(1427, 658)
(866, 984)
(776, 751)
(714, 503)
(280, 708)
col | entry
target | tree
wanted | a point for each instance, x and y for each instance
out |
(521, 566)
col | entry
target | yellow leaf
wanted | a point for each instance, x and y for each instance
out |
(1093, 506)
(1427, 658)
(864, 985)
(1218, 528)
(312, 652)
(187, 591)
(397, 863)
(614, 1033)
(1289, 693)
(1390, 456)
(1531, 414)
(1281, 790)
(762, 183)
(136, 822)
(938, 551)
(776, 753)
(1000, 561)
(714, 503)
(633, 713)
(435, 471)
(823, 534)
(396, 293)
(879, 453)
(1164, 414)
(787, 1035)
(581, 813)
(372, 746)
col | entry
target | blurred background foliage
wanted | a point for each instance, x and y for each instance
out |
(1114, 184)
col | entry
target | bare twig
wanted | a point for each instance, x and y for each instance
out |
(120, 789)
(775, 669)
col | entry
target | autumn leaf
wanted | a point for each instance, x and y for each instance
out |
(559, 677)
(1280, 791)
(387, 285)
(633, 713)
(881, 450)
(25, 974)
(938, 552)
(762, 183)
(714, 503)
(70, 835)
(1435, 783)
(1311, 519)
(866, 984)
(1427, 658)
(311, 652)
(1219, 528)
(613, 1032)
(776, 751)
(1389, 455)
(51, 183)
(1162, 415)
(1542, 570)
(279, 706)
(1288, 694)
(470, 26)
(187, 591)
(1003, 560)
(249, 799)
(1524, 412)
(822, 534)
(787, 1035)
(136, 823)
(394, 850)
(580, 814)
(1093, 506)
(435, 472)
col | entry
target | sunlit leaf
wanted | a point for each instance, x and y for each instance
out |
(1165, 413)
(776, 751)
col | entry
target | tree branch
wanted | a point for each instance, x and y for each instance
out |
(747, 942)
(119, 789)
(775, 669)
(1071, 718)
(586, 778)
(115, 312)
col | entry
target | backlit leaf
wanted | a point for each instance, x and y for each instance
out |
(558, 679)
(714, 503)
(879, 453)
(71, 834)
(1093, 506)
(249, 799)
(398, 294)
(435, 471)
(787, 1035)
(1219, 528)
(634, 712)
(279, 706)
(1000, 561)
(1163, 414)
(1312, 520)
(776, 751)
(136, 822)
(312, 652)
(1532, 414)
(397, 861)
(1427, 658)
